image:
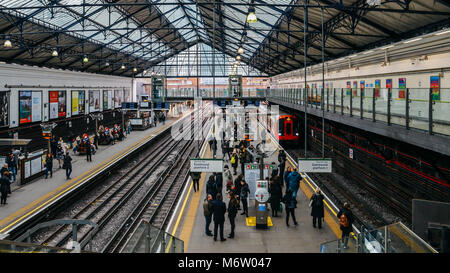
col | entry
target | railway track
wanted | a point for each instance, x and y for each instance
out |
(143, 192)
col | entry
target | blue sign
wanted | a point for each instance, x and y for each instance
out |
(262, 207)
(159, 105)
(223, 103)
(249, 102)
(256, 103)
(215, 103)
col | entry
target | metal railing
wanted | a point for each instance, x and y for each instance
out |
(426, 109)
(211, 93)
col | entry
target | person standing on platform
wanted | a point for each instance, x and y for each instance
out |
(67, 165)
(317, 208)
(214, 146)
(226, 149)
(4, 169)
(88, 151)
(281, 167)
(275, 196)
(49, 166)
(12, 167)
(219, 209)
(53, 144)
(294, 182)
(96, 141)
(207, 212)
(219, 182)
(285, 177)
(4, 188)
(234, 162)
(244, 194)
(282, 155)
(227, 173)
(211, 186)
(237, 188)
(195, 179)
(290, 204)
(345, 217)
(242, 159)
(232, 211)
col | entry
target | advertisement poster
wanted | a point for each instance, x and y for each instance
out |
(62, 104)
(110, 99)
(4, 109)
(75, 103)
(389, 83)
(53, 102)
(361, 86)
(401, 88)
(81, 102)
(36, 106)
(94, 100)
(355, 87)
(118, 98)
(105, 100)
(435, 87)
(349, 88)
(377, 88)
(24, 107)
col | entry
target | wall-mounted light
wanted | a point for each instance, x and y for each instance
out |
(7, 43)
(55, 53)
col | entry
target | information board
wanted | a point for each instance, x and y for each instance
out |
(136, 121)
(27, 166)
(315, 165)
(251, 176)
(36, 165)
(206, 165)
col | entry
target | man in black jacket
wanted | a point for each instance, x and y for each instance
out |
(345, 217)
(4, 187)
(219, 209)
(207, 212)
(244, 194)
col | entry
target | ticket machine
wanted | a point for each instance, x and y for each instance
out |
(261, 197)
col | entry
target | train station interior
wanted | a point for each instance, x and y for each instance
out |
(225, 126)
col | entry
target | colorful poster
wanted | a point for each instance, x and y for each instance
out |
(105, 100)
(349, 88)
(435, 87)
(110, 99)
(94, 100)
(401, 88)
(81, 102)
(118, 98)
(62, 104)
(4, 109)
(36, 106)
(389, 83)
(377, 88)
(24, 107)
(75, 103)
(362, 86)
(53, 102)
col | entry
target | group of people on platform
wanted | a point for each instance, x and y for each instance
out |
(8, 174)
(237, 190)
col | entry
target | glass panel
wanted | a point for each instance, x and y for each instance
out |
(381, 103)
(338, 100)
(418, 108)
(398, 107)
(346, 106)
(441, 113)
(356, 102)
(368, 103)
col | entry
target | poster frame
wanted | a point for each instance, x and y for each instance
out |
(8, 98)
(18, 106)
(62, 117)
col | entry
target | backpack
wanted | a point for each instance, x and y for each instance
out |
(233, 160)
(343, 220)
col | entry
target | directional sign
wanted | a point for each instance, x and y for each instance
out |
(315, 165)
(206, 165)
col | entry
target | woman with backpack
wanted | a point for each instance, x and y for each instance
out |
(234, 162)
(345, 217)
(316, 205)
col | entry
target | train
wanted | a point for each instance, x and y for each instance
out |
(286, 129)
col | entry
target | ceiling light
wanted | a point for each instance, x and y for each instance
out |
(107, 64)
(85, 59)
(7, 43)
(122, 67)
(241, 50)
(443, 32)
(238, 57)
(55, 53)
(251, 16)
(413, 40)
(145, 72)
(153, 73)
(135, 70)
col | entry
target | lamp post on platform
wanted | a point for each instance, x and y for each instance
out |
(96, 117)
(47, 129)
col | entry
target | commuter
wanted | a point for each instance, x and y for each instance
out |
(233, 205)
(219, 209)
(219, 182)
(237, 188)
(53, 144)
(207, 212)
(243, 159)
(275, 196)
(282, 155)
(195, 179)
(60, 155)
(88, 151)
(67, 165)
(226, 149)
(345, 222)
(281, 167)
(214, 146)
(285, 177)
(49, 165)
(211, 186)
(230, 186)
(290, 204)
(227, 173)
(317, 208)
(12, 167)
(129, 125)
(234, 162)
(4, 188)
(96, 141)
(294, 182)
(244, 194)
(4, 169)
(274, 172)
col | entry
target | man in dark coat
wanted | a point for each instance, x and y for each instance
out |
(290, 204)
(195, 180)
(232, 211)
(345, 217)
(211, 186)
(67, 165)
(219, 182)
(4, 188)
(281, 167)
(285, 177)
(237, 188)
(49, 165)
(88, 151)
(207, 212)
(219, 209)
(275, 196)
(53, 144)
(244, 194)
(317, 208)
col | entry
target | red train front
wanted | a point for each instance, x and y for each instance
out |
(287, 129)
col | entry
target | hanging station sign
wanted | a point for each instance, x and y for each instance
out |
(315, 165)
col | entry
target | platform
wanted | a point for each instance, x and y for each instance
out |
(279, 238)
(26, 200)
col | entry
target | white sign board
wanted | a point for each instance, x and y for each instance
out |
(206, 165)
(137, 121)
(313, 165)
(27, 169)
(252, 177)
